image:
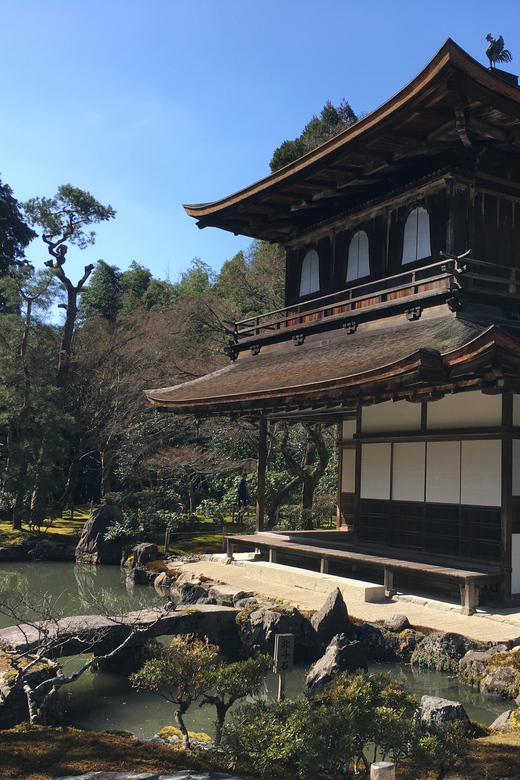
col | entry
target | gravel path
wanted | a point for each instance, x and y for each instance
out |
(486, 625)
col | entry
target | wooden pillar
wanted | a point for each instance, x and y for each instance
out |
(262, 458)
(506, 560)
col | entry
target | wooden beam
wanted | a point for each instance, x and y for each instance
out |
(506, 540)
(262, 460)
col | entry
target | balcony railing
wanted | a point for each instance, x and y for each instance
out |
(447, 273)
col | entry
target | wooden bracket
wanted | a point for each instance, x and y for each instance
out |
(298, 339)
(231, 351)
(414, 313)
(350, 327)
(255, 349)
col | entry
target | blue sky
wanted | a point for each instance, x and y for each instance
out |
(149, 104)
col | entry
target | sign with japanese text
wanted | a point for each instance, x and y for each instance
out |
(283, 653)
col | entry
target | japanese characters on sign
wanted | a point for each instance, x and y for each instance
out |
(283, 653)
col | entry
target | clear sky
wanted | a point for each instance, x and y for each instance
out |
(149, 104)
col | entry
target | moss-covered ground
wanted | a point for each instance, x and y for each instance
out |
(44, 753)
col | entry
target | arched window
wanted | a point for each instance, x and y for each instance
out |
(358, 264)
(310, 278)
(416, 244)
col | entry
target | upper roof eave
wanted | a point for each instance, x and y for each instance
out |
(450, 57)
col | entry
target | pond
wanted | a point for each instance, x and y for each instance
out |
(101, 700)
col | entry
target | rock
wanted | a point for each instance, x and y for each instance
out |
(331, 619)
(190, 591)
(443, 651)
(227, 594)
(341, 655)
(433, 711)
(258, 629)
(14, 553)
(396, 623)
(145, 553)
(473, 665)
(501, 681)
(92, 546)
(206, 600)
(137, 577)
(247, 602)
(502, 723)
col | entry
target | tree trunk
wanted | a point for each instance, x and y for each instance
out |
(219, 723)
(20, 493)
(179, 715)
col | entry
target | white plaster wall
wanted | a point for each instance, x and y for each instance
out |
(515, 577)
(348, 429)
(348, 470)
(390, 416)
(443, 472)
(408, 471)
(465, 410)
(375, 470)
(481, 472)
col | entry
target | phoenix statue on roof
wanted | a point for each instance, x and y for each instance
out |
(496, 52)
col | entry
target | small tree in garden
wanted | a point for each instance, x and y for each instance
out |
(231, 682)
(189, 671)
(179, 674)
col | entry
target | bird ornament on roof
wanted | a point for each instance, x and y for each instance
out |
(496, 52)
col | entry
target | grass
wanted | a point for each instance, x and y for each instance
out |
(62, 531)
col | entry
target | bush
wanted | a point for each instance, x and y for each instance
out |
(334, 732)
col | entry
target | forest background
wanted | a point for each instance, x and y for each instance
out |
(74, 423)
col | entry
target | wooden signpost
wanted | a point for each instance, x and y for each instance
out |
(283, 660)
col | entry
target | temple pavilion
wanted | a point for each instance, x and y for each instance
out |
(402, 326)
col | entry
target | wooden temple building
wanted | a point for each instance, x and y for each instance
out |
(402, 325)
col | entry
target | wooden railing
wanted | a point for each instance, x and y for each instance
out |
(446, 273)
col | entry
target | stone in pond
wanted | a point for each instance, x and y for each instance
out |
(341, 656)
(92, 546)
(331, 619)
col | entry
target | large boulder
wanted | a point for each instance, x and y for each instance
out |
(501, 681)
(435, 711)
(473, 665)
(442, 651)
(381, 644)
(188, 591)
(502, 723)
(331, 619)
(137, 577)
(396, 623)
(92, 546)
(341, 655)
(227, 595)
(144, 553)
(259, 628)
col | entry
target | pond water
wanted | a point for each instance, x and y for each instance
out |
(101, 700)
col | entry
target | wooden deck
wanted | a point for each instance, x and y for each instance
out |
(467, 578)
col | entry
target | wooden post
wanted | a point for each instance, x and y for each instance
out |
(272, 555)
(262, 458)
(382, 770)
(324, 566)
(506, 521)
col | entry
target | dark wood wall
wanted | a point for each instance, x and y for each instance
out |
(477, 210)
